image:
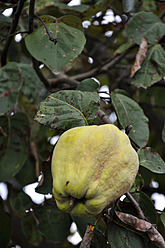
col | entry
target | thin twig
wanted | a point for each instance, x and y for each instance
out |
(39, 73)
(47, 30)
(19, 32)
(136, 205)
(12, 30)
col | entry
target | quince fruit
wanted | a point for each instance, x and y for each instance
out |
(91, 167)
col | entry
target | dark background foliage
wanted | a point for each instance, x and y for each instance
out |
(47, 86)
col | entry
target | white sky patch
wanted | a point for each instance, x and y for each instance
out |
(75, 238)
(118, 19)
(41, 66)
(96, 80)
(154, 184)
(96, 23)
(159, 201)
(109, 16)
(86, 24)
(54, 139)
(108, 33)
(106, 89)
(113, 117)
(18, 37)
(122, 197)
(74, 2)
(3, 191)
(99, 14)
(7, 12)
(36, 197)
(90, 60)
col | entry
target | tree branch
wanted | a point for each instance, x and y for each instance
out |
(39, 73)
(136, 205)
(104, 117)
(31, 15)
(104, 67)
(86, 242)
(12, 30)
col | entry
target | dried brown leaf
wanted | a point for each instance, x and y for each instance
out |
(143, 226)
(140, 56)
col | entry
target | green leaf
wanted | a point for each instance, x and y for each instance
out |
(32, 86)
(98, 240)
(5, 227)
(153, 68)
(70, 43)
(162, 217)
(145, 24)
(147, 206)
(47, 184)
(128, 6)
(130, 113)
(66, 109)
(88, 84)
(53, 223)
(124, 47)
(149, 5)
(30, 229)
(138, 184)
(20, 202)
(120, 237)
(82, 222)
(10, 84)
(163, 133)
(15, 77)
(15, 139)
(151, 160)
(27, 173)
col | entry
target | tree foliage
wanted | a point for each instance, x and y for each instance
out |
(51, 81)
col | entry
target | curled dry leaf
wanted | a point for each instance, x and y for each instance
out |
(140, 56)
(86, 242)
(143, 226)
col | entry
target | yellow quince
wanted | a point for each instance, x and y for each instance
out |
(91, 167)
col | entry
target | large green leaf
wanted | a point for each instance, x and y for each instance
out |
(15, 144)
(82, 222)
(88, 84)
(32, 86)
(145, 24)
(20, 202)
(10, 84)
(120, 237)
(153, 68)
(128, 6)
(53, 223)
(27, 173)
(70, 43)
(162, 217)
(68, 108)
(5, 227)
(130, 113)
(163, 133)
(29, 227)
(47, 185)
(15, 77)
(151, 160)
(98, 240)
(147, 206)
